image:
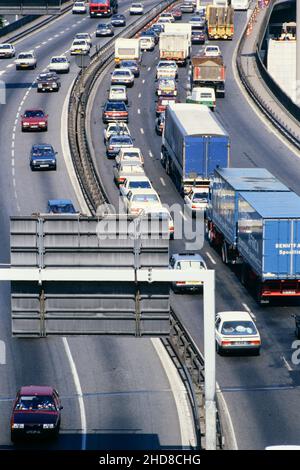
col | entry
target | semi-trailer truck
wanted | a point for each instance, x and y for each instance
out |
(220, 23)
(254, 220)
(193, 145)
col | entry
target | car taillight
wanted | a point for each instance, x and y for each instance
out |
(180, 283)
(255, 342)
(194, 206)
(226, 343)
(231, 29)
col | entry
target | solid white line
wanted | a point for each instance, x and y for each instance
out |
(139, 111)
(185, 416)
(162, 181)
(248, 309)
(182, 215)
(225, 412)
(142, 130)
(67, 155)
(289, 368)
(210, 257)
(79, 392)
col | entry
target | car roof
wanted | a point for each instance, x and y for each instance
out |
(36, 390)
(33, 109)
(59, 201)
(234, 315)
(41, 145)
(122, 69)
(188, 257)
(138, 178)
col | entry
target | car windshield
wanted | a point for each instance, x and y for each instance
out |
(139, 184)
(82, 36)
(42, 151)
(124, 140)
(33, 114)
(131, 155)
(25, 56)
(36, 403)
(57, 60)
(121, 73)
(145, 198)
(166, 65)
(137, 5)
(116, 107)
(5, 46)
(103, 26)
(190, 264)
(128, 63)
(79, 42)
(211, 49)
(237, 328)
(166, 83)
(62, 209)
(199, 196)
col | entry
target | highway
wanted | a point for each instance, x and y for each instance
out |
(115, 391)
(261, 393)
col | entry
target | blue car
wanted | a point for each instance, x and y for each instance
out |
(118, 20)
(61, 206)
(42, 157)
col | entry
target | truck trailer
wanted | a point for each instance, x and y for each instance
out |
(194, 144)
(220, 23)
(127, 49)
(174, 46)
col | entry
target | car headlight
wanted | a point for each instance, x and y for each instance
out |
(25, 123)
(18, 425)
(52, 161)
(48, 426)
(42, 123)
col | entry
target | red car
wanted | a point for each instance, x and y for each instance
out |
(177, 14)
(35, 120)
(163, 102)
(36, 411)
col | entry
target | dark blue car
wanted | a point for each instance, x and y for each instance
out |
(42, 157)
(61, 206)
(118, 20)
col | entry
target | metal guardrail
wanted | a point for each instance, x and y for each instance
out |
(274, 90)
(26, 20)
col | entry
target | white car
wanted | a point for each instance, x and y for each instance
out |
(141, 199)
(166, 68)
(26, 60)
(7, 51)
(163, 21)
(136, 9)
(212, 51)
(196, 199)
(168, 16)
(122, 76)
(135, 182)
(85, 36)
(59, 64)
(79, 8)
(114, 128)
(147, 43)
(236, 331)
(125, 170)
(161, 214)
(130, 154)
(118, 93)
(80, 46)
(187, 262)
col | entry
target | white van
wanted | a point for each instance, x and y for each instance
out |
(203, 95)
(147, 43)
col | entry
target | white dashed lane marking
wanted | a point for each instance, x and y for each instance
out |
(210, 258)
(142, 130)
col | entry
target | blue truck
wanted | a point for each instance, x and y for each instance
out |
(254, 221)
(194, 144)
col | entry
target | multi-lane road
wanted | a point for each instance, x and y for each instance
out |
(115, 391)
(261, 393)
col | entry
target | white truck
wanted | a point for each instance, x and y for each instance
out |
(185, 28)
(174, 46)
(127, 49)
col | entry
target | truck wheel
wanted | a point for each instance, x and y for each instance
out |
(224, 253)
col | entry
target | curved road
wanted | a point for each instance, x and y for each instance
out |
(118, 394)
(261, 393)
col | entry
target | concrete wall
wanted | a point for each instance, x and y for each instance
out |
(281, 64)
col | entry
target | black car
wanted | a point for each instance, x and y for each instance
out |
(118, 20)
(198, 37)
(48, 81)
(152, 33)
(42, 157)
(116, 142)
(36, 412)
(131, 65)
(104, 29)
